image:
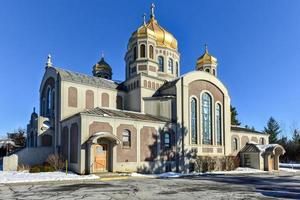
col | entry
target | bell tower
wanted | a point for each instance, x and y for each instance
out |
(152, 50)
(207, 63)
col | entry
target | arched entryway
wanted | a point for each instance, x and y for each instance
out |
(272, 154)
(100, 152)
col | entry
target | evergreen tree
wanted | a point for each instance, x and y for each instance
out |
(296, 136)
(273, 129)
(234, 114)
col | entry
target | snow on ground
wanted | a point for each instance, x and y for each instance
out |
(288, 169)
(21, 177)
(239, 170)
(290, 165)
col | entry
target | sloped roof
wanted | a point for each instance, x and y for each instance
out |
(239, 128)
(85, 79)
(260, 148)
(103, 112)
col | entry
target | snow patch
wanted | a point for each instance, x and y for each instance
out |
(239, 170)
(26, 177)
(290, 165)
(289, 170)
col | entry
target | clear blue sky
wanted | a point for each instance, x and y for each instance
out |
(257, 44)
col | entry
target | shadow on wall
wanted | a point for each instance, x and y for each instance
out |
(164, 156)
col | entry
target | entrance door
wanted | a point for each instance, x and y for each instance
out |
(271, 163)
(101, 157)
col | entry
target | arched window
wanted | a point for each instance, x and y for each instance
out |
(219, 124)
(170, 64)
(151, 54)
(206, 118)
(143, 51)
(177, 66)
(49, 101)
(105, 100)
(167, 140)
(119, 102)
(207, 70)
(89, 99)
(235, 144)
(262, 141)
(160, 63)
(134, 53)
(126, 138)
(194, 120)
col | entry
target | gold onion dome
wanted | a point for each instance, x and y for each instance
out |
(153, 29)
(102, 69)
(206, 58)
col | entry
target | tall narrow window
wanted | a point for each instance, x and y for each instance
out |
(206, 118)
(235, 144)
(177, 66)
(219, 124)
(151, 54)
(126, 139)
(49, 101)
(167, 140)
(194, 120)
(134, 53)
(170, 64)
(143, 51)
(161, 63)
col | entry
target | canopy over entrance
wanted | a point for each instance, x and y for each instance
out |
(93, 139)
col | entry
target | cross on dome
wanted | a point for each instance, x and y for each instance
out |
(144, 18)
(152, 10)
(206, 48)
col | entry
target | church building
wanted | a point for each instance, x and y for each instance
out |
(152, 121)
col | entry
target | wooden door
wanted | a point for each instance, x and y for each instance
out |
(101, 157)
(271, 163)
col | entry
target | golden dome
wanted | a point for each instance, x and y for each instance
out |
(206, 58)
(152, 28)
(102, 69)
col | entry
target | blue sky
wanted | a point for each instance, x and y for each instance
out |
(257, 44)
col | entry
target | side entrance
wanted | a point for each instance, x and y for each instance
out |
(101, 158)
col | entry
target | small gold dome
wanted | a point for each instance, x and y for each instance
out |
(102, 69)
(206, 58)
(153, 29)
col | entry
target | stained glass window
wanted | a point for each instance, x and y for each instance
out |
(218, 124)
(206, 118)
(194, 120)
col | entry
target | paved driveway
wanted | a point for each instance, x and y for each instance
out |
(263, 186)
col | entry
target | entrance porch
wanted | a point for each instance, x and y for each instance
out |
(100, 152)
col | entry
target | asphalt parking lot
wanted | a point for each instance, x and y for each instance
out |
(260, 186)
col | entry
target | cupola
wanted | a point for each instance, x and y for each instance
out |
(102, 69)
(152, 50)
(207, 63)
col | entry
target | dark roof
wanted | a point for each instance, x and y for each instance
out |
(103, 112)
(85, 79)
(238, 128)
(167, 85)
(263, 148)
